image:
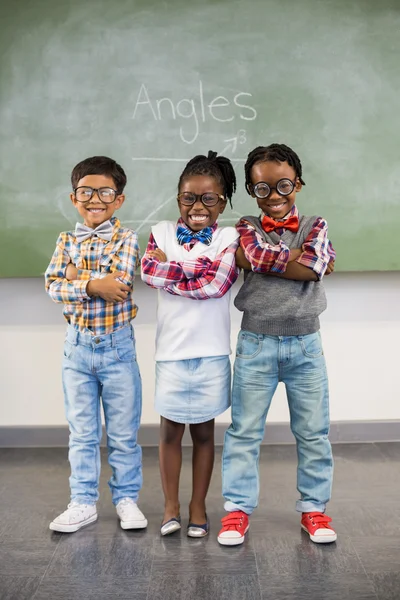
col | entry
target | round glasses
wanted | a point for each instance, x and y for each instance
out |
(208, 199)
(284, 187)
(85, 193)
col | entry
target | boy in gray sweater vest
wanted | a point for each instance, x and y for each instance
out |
(285, 256)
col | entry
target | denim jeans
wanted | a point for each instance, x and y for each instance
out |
(261, 362)
(103, 367)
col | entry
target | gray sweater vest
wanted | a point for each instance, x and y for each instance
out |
(275, 306)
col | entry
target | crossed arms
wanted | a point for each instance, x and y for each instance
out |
(309, 263)
(67, 284)
(198, 279)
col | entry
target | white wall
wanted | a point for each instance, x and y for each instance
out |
(361, 333)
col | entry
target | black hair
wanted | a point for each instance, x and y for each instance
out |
(212, 165)
(99, 165)
(273, 152)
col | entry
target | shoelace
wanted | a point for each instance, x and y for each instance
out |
(125, 503)
(320, 519)
(74, 508)
(232, 521)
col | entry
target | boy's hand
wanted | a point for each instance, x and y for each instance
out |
(71, 272)
(331, 267)
(295, 254)
(158, 254)
(109, 288)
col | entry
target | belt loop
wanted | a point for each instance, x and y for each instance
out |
(113, 340)
(72, 335)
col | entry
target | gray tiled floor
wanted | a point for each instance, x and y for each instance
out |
(277, 561)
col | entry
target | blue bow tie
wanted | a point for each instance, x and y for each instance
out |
(186, 235)
(103, 231)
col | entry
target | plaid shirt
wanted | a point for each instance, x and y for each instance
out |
(198, 279)
(94, 259)
(264, 257)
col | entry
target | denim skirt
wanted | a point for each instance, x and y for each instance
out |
(195, 390)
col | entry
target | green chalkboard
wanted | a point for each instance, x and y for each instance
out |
(154, 83)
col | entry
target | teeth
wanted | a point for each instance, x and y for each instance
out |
(95, 210)
(277, 205)
(198, 217)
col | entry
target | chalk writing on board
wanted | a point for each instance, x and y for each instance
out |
(195, 110)
(230, 147)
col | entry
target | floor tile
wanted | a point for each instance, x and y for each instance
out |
(84, 555)
(297, 554)
(378, 554)
(27, 557)
(17, 587)
(195, 586)
(178, 553)
(317, 587)
(390, 450)
(93, 588)
(366, 519)
(386, 585)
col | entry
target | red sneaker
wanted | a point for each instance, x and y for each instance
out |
(317, 526)
(234, 527)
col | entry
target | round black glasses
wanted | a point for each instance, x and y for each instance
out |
(284, 187)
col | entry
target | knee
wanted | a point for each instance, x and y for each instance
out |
(83, 436)
(203, 433)
(310, 431)
(170, 432)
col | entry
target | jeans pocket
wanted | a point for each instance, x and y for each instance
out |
(311, 345)
(125, 352)
(68, 349)
(248, 346)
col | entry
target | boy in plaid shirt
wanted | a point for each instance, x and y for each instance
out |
(92, 273)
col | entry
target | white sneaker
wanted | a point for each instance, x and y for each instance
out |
(130, 514)
(75, 517)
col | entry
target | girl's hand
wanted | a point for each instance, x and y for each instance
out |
(158, 254)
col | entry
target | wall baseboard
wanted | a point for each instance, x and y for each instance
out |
(275, 433)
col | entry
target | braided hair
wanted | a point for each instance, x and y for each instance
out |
(273, 152)
(215, 166)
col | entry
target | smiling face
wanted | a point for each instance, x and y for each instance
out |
(198, 216)
(270, 172)
(94, 212)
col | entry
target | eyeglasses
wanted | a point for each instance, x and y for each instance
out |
(208, 199)
(85, 193)
(284, 187)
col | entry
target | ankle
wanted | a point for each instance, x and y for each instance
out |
(197, 510)
(172, 509)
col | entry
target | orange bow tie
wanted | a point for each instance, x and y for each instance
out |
(268, 224)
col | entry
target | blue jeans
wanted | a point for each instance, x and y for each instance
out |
(103, 367)
(261, 362)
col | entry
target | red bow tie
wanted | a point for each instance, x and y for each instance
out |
(268, 224)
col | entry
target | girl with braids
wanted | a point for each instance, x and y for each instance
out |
(285, 257)
(192, 263)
